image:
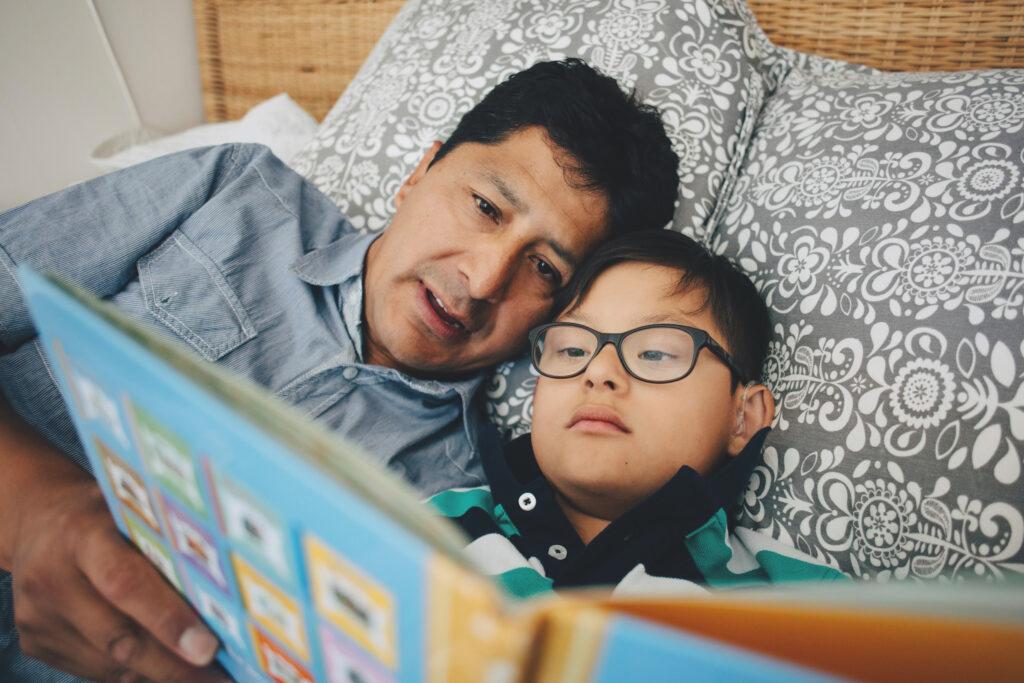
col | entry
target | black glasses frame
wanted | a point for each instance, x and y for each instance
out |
(701, 340)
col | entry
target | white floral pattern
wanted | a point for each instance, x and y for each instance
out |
(704, 63)
(878, 214)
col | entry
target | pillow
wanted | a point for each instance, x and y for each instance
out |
(280, 123)
(705, 64)
(881, 215)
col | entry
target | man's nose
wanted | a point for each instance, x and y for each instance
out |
(490, 269)
(605, 370)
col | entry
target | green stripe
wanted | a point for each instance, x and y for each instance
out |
(710, 550)
(504, 522)
(710, 553)
(454, 503)
(778, 565)
(522, 582)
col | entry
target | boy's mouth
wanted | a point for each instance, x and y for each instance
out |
(597, 419)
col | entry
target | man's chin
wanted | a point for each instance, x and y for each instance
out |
(442, 364)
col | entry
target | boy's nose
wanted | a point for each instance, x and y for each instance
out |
(605, 369)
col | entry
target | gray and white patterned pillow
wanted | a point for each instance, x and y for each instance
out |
(882, 217)
(704, 63)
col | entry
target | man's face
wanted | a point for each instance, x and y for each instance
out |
(603, 469)
(479, 245)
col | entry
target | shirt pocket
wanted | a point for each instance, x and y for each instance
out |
(318, 389)
(183, 289)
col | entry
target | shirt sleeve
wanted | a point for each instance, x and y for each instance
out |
(744, 557)
(95, 232)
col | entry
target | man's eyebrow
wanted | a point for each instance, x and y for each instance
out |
(563, 253)
(507, 192)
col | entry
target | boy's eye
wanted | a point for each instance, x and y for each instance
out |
(486, 208)
(573, 352)
(655, 356)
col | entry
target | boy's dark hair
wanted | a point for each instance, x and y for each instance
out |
(736, 305)
(616, 144)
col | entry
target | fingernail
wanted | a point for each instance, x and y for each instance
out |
(198, 644)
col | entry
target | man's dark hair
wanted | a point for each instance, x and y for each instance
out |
(736, 305)
(616, 145)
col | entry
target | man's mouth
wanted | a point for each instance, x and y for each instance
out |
(439, 319)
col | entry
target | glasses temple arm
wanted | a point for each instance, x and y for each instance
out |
(717, 349)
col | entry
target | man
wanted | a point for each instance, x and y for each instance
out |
(383, 338)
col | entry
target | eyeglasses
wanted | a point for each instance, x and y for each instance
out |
(658, 354)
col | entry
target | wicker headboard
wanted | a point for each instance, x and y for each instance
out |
(250, 50)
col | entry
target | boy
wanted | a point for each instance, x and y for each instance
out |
(647, 421)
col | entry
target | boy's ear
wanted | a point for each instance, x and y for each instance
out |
(754, 409)
(418, 172)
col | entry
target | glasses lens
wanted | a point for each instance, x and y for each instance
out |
(562, 351)
(658, 354)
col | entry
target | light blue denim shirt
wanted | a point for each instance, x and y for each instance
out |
(231, 252)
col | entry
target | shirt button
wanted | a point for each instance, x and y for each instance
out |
(350, 373)
(527, 501)
(558, 552)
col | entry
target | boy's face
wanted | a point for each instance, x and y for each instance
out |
(602, 469)
(479, 245)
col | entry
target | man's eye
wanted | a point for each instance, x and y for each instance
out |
(573, 352)
(486, 207)
(547, 271)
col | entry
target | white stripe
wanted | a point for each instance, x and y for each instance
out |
(639, 582)
(754, 542)
(495, 554)
(743, 558)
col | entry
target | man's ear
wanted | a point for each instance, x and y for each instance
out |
(418, 172)
(753, 410)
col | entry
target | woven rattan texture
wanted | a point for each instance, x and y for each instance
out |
(900, 35)
(250, 50)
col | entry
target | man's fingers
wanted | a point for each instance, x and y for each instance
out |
(128, 652)
(63, 647)
(134, 586)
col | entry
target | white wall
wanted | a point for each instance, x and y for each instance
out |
(61, 92)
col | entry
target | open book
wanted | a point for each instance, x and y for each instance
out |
(313, 564)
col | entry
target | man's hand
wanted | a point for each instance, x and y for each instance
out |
(84, 600)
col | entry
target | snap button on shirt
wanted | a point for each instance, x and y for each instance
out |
(558, 552)
(350, 373)
(527, 501)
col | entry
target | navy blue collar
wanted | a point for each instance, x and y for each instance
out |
(684, 502)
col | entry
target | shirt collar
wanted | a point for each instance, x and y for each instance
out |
(340, 260)
(686, 500)
(342, 263)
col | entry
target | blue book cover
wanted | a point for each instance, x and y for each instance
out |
(308, 561)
